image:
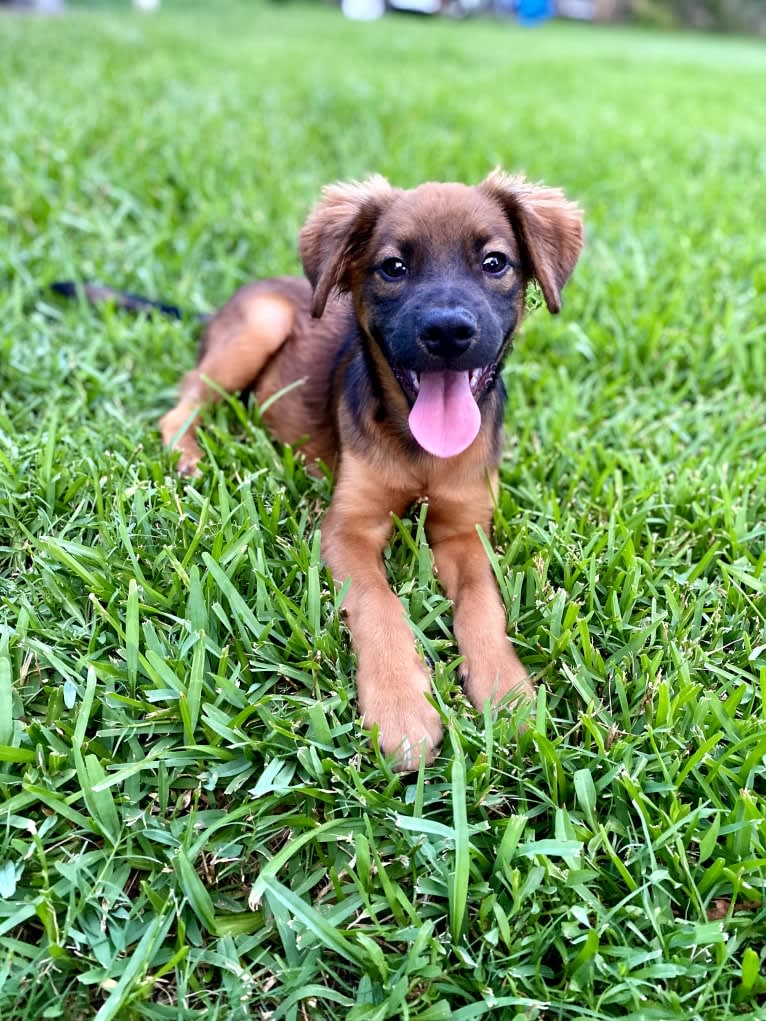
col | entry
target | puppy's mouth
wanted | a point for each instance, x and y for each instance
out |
(445, 417)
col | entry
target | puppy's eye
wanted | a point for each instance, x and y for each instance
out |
(495, 263)
(392, 269)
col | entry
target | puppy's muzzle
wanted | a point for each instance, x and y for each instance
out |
(447, 332)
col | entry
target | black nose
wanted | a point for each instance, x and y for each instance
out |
(447, 332)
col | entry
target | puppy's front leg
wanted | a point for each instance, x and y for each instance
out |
(392, 681)
(491, 667)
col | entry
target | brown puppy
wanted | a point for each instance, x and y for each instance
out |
(397, 337)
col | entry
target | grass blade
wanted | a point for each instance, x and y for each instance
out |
(458, 890)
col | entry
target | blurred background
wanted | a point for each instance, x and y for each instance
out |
(742, 16)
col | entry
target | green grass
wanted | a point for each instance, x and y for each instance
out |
(193, 825)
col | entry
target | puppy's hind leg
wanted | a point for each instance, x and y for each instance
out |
(238, 342)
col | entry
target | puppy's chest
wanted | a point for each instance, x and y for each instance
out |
(442, 484)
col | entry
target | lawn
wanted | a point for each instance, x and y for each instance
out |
(193, 824)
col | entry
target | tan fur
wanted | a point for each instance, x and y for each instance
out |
(276, 332)
(550, 226)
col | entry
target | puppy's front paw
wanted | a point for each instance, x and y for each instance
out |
(497, 675)
(409, 728)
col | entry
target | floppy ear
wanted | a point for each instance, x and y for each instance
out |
(548, 226)
(336, 231)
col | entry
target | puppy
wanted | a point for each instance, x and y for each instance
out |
(396, 337)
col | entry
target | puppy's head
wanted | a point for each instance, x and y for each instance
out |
(437, 276)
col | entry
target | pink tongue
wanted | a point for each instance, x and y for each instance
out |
(445, 418)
